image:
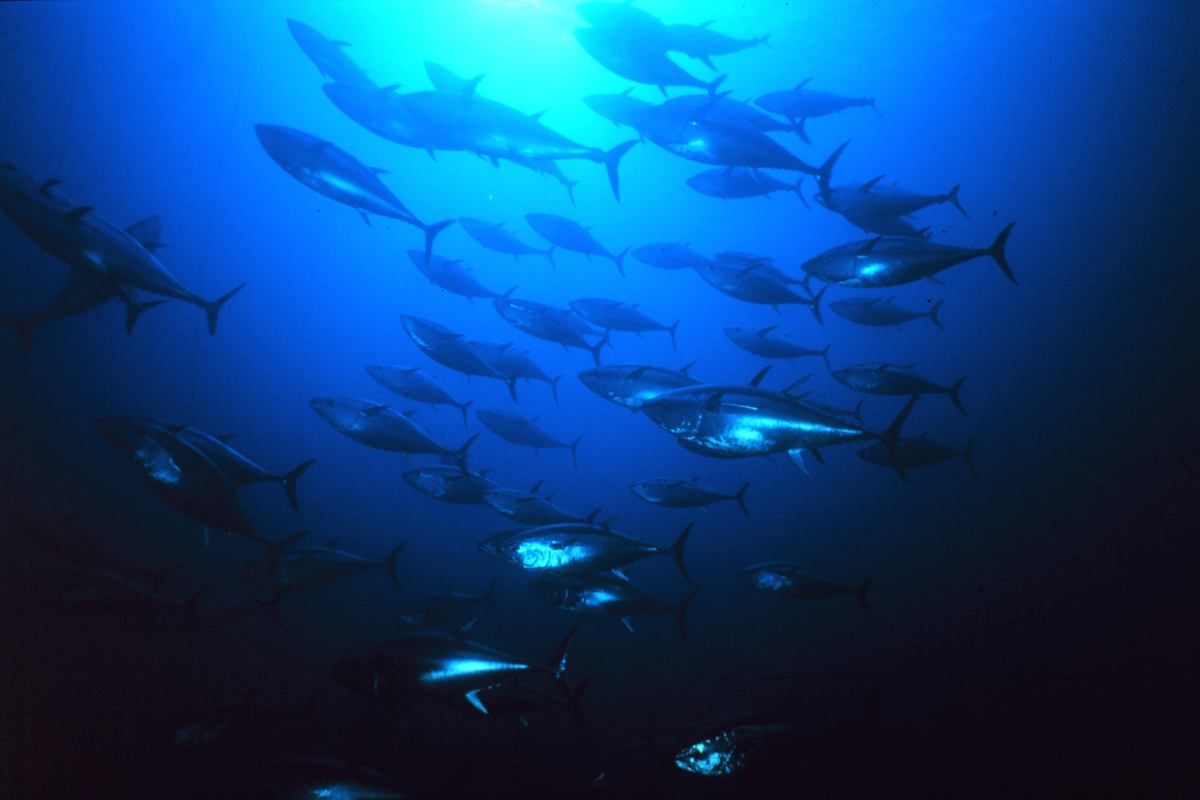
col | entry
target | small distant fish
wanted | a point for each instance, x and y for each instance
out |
(291, 567)
(529, 508)
(614, 315)
(551, 324)
(918, 452)
(676, 493)
(631, 385)
(758, 284)
(801, 102)
(525, 432)
(446, 609)
(670, 255)
(891, 379)
(606, 596)
(794, 580)
(570, 235)
(765, 342)
(412, 383)
(493, 236)
(882, 313)
(449, 348)
(513, 364)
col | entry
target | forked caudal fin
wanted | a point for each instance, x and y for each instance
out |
(574, 448)
(619, 260)
(996, 251)
(676, 551)
(933, 314)
(612, 160)
(740, 497)
(953, 393)
(460, 455)
(463, 408)
(389, 564)
(289, 482)
(213, 307)
(815, 304)
(595, 349)
(825, 172)
(431, 232)
(952, 197)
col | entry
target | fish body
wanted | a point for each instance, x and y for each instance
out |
(671, 255)
(494, 236)
(768, 342)
(446, 347)
(614, 315)
(413, 384)
(525, 432)
(450, 275)
(576, 548)
(794, 580)
(676, 493)
(632, 385)
(732, 183)
(889, 379)
(449, 484)
(570, 235)
(380, 426)
(878, 312)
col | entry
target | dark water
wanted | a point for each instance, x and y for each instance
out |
(1031, 624)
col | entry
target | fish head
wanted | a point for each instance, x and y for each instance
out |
(715, 757)
(619, 109)
(424, 333)
(551, 592)
(285, 145)
(338, 412)
(767, 578)
(305, 35)
(432, 482)
(675, 412)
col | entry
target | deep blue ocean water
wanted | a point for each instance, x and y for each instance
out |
(1029, 623)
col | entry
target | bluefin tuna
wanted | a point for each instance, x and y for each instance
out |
(445, 609)
(919, 452)
(604, 595)
(795, 580)
(570, 235)
(412, 383)
(671, 255)
(892, 379)
(382, 427)
(701, 42)
(632, 385)
(768, 342)
(577, 548)
(525, 432)
(450, 484)
(494, 236)
(879, 312)
(551, 324)
(733, 183)
(635, 61)
(450, 275)
(677, 493)
(329, 55)
(616, 316)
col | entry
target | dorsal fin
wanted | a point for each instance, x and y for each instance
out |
(801, 85)
(226, 438)
(766, 330)
(713, 402)
(638, 372)
(869, 246)
(48, 185)
(536, 116)
(375, 409)
(706, 23)
(148, 232)
(76, 214)
(758, 377)
(684, 369)
(866, 187)
(534, 489)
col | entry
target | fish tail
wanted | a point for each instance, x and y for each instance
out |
(489, 595)
(765, 40)
(952, 196)
(512, 388)
(862, 595)
(272, 606)
(680, 612)
(968, 453)
(558, 665)
(857, 412)
(891, 435)
(574, 448)
(933, 314)
(554, 386)
(570, 187)
(24, 328)
(595, 349)
(740, 497)
(816, 304)
(463, 408)
(996, 251)
(431, 232)
(612, 160)
(825, 171)
(672, 330)
(825, 356)
(676, 551)
(798, 188)
(619, 260)
(289, 482)
(389, 564)
(712, 86)
(134, 310)
(213, 307)
(549, 254)
(953, 392)
(460, 455)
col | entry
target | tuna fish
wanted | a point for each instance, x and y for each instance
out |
(449, 349)
(293, 568)
(180, 474)
(894, 260)
(237, 467)
(767, 343)
(575, 548)
(330, 171)
(701, 42)
(676, 493)
(328, 54)
(801, 102)
(442, 665)
(450, 275)
(123, 260)
(794, 580)
(412, 383)
(632, 385)
(570, 235)
(671, 255)
(890, 379)
(378, 425)
(606, 596)
(616, 316)
(918, 452)
(450, 484)
(881, 312)
(635, 61)
(524, 432)
(757, 284)
(493, 236)
(445, 609)
(551, 324)
(528, 508)
(733, 183)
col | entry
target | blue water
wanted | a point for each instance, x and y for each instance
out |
(1020, 616)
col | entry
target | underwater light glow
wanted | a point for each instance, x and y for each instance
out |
(460, 667)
